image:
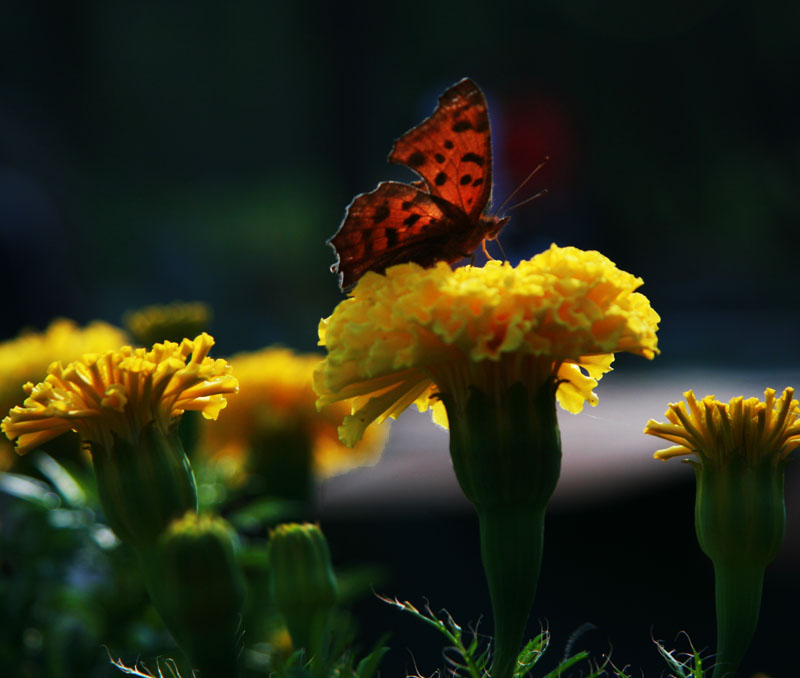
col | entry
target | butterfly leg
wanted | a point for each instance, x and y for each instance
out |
(485, 251)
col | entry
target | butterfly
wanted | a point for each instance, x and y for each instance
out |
(440, 218)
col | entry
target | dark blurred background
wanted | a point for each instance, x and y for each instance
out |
(154, 151)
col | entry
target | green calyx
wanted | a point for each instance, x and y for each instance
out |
(506, 446)
(740, 515)
(506, 452)
(144, 484)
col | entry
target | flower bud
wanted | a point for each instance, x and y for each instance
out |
(197, 587)
(303, 582)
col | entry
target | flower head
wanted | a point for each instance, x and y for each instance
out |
(412, 333)
(119, 393)
(277, 397)
(747, 431)
(26, 358)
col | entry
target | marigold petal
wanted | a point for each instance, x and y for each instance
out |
(565, 309)
(746, 429)
(118, 393)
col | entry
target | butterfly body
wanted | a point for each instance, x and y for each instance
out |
(441, 217)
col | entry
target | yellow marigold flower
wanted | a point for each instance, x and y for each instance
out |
(749, 430)
(125, 405)
(277, 397)
(119, 393)
(404, 337)
(490, 350)
(26, 358)
(170, 322)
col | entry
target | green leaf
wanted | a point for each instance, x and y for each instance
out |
(368, 666)
(685, 665)
(29, 489)
(63, 481)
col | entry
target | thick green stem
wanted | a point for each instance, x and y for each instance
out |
(506, 452)
(511, 549)
(738, 598)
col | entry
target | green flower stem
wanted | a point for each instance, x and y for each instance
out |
(738, 598)
(511, 550)
(506, 452)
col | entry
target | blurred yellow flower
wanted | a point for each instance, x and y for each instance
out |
(405, 336)
(168, 322)
(119, 393)
(27, 357)
(748, 431)
(276, 396)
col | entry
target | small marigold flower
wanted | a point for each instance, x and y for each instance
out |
(124, 404)
(490, 350)
(273, 425)
(741, 449)
(170, 322)
(26, 359)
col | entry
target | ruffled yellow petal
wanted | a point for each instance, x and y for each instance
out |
(401, 336)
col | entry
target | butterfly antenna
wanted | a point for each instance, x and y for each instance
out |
(521, 186)
(527, 200)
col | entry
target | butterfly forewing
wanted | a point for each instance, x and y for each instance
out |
(451, 150)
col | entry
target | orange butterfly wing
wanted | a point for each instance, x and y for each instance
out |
(452, 150)
(397, 223)
(391, 225)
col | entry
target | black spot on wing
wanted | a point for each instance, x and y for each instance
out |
(448, 145)
(478, 181)
(472, 157)
(391, 236)
(439, 158)
(461, 126)
(417, 159)
(411, 220)
(440, 179)
(381, 213)
(465, 179)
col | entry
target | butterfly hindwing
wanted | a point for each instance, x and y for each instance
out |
(451, 150)
(385, 227)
